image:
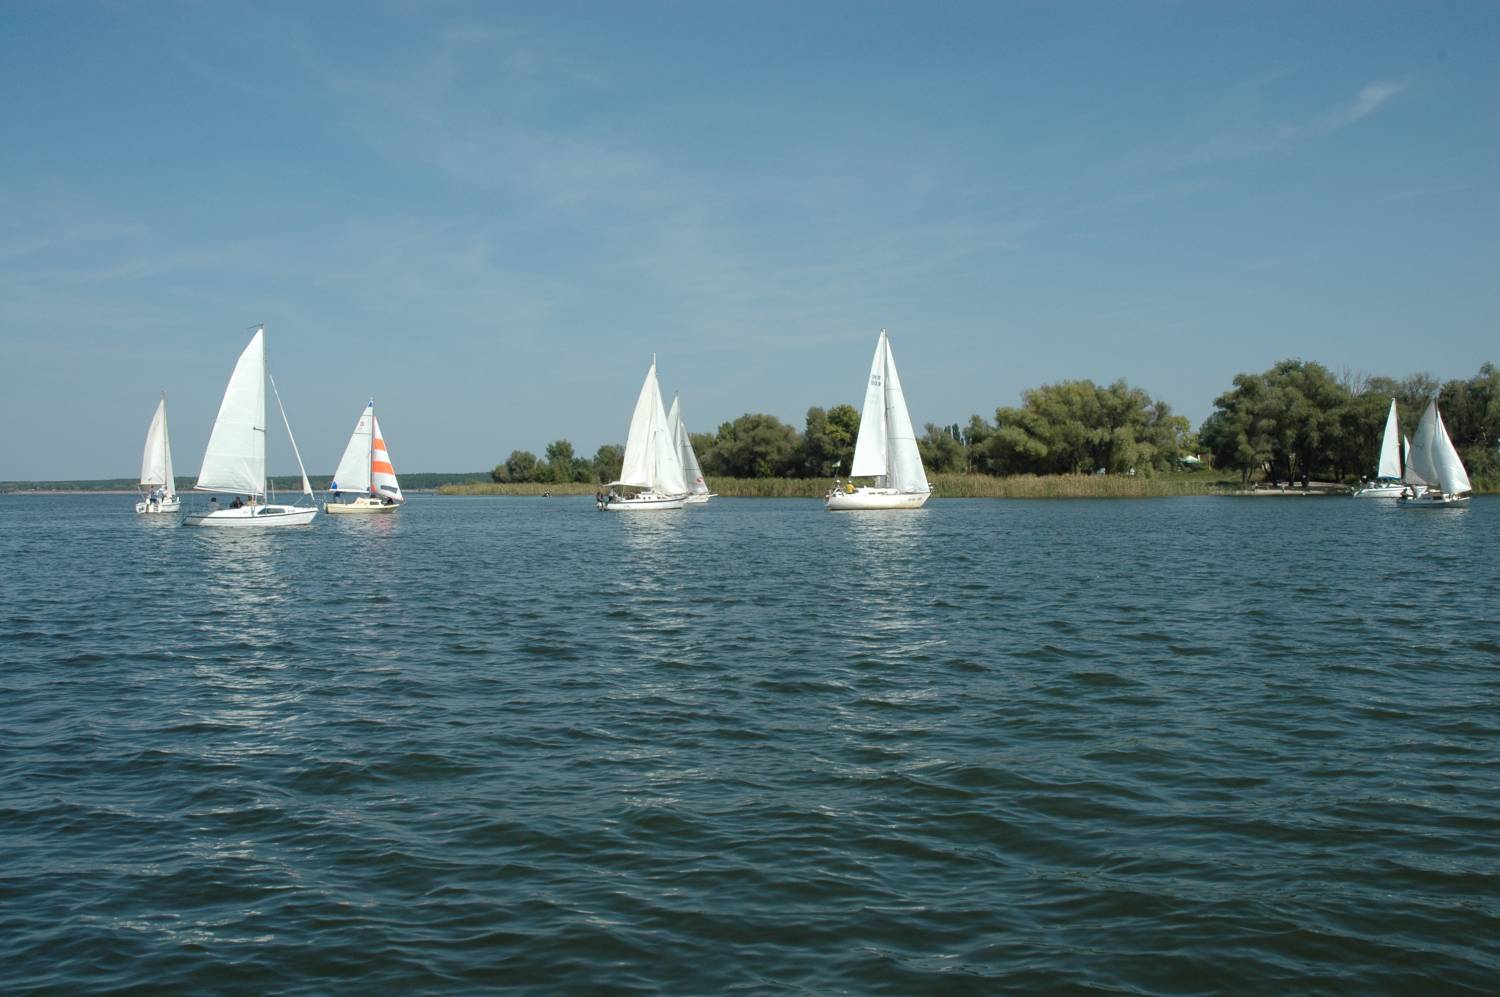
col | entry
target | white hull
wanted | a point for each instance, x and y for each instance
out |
(153, 507)
(253, 517)
(1433, 500)
(643, 503)
(363, 505)
(700, 499)
(1381, 491)
(874, 498)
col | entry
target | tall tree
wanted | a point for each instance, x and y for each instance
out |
(753, 446)
(828, 440)
(608, 460)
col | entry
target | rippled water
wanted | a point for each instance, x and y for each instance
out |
(1161, 746)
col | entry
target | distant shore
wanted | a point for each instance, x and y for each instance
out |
(943, 486)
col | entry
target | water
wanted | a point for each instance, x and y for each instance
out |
(1156, 746)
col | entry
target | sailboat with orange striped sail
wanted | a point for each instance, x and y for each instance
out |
(365, 472)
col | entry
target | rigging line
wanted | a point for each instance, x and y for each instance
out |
(306, 486)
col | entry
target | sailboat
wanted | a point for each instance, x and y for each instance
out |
(365, 471)
(1387, 482)
(652, 468)
(1441, 481)
(235, 460)
(886, 448)
(156, 467)
(692, 473)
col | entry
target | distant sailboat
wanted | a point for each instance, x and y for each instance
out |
(652, 468)
(1387, 482)
(156, 467)
(886, 448)
(235, 461)
(365, 471)
(1435, 464)
(692, 474)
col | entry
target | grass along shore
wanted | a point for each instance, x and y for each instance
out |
(943, 486)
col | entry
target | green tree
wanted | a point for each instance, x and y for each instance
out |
(608, 460)
(521, 465)
(754, 446)
(942, 449)
(1078, 426)
(1287, 420)
(559, 466)
(828, 440)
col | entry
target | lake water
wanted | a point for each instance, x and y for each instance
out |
(1161, 746)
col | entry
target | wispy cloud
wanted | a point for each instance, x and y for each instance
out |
(1238, 135)
(1369, 100)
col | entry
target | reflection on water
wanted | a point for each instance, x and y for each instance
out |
(651, 587)
(885, 567)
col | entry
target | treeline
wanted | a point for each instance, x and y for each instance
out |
(1299, 419)
(1296, 420)
(1072, 427)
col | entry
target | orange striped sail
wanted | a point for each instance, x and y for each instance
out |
(382, 473)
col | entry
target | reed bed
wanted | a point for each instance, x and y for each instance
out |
(1019, 486)
(1032, 486)
(519, 488)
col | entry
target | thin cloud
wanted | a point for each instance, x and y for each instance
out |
(1236, 139)
(1369, 100)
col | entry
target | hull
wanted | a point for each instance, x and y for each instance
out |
(1433, 500)
(359, 507)
(251, 518)
(643, 503)
(154, 507)
(700, 499)
(1380, 491)
(873, 498)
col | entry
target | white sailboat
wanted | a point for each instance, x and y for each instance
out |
(1441, 481)
(692, 473)
(1387, 482)
(652, 468)
(365, 471)
(156, 467)
(235, 460)
(886, 448)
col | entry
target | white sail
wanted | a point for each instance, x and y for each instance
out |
(1409, 476)
(905, 472)
(235, 460)
(886, 448)
(1419, 459)
(1390, 455)
(870, 445)
(692, 473)
(1445, 460)
(156, 460)
(353, 473)
(382, 471)
(651, 459)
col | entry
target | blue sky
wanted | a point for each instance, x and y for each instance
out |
(489, 216)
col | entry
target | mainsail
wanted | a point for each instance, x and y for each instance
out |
(651, 459)
(1450, 467)
(1390, 454)
(1433, 458)
(886, 448)
(353, 473)
(156, 460)
(236, 457)
(692, 473)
